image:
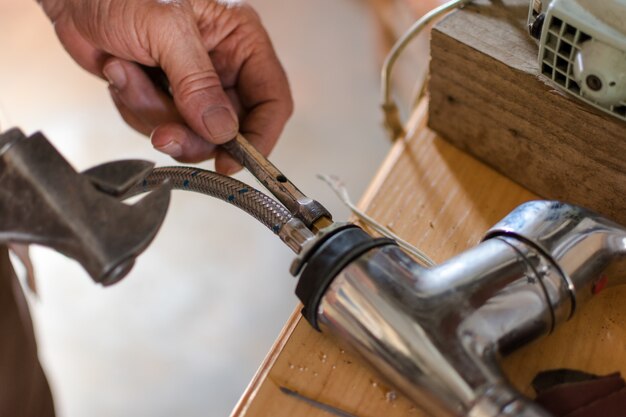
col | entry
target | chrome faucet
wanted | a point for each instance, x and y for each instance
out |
(437, 334)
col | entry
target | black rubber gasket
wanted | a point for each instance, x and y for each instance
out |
(330, 258)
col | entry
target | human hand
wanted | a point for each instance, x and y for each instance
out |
(224, 74)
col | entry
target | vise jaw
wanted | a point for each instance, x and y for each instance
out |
(44, 201)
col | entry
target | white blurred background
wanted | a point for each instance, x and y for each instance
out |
(184, 333)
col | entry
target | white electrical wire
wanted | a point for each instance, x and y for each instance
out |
(391, 114)
(341, 191)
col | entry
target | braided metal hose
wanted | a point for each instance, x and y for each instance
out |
(263, 208)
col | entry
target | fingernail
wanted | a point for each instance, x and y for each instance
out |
(172, 149)
(221, 124)
(115, 74)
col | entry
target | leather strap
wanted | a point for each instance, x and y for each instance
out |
(24, 390)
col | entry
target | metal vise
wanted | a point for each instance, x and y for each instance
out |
(44, 201)
(437, 334)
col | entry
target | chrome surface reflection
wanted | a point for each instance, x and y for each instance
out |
(437, 334)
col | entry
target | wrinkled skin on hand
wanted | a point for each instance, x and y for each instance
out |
(223, 70)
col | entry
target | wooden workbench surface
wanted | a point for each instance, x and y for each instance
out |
(443, 201)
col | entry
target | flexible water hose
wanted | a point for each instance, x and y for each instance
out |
(263, 208)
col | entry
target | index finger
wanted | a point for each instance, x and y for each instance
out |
(265, 94)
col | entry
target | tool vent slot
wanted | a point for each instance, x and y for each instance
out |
(562, 42)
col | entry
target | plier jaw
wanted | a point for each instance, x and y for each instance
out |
(44, 201)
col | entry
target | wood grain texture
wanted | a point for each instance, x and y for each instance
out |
(442, 200)
(487, 99)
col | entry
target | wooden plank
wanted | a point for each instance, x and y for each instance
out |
(487, 99)
(442, 200)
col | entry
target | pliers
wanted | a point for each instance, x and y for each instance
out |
(44, 201)
(314, 216)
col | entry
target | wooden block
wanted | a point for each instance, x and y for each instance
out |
(443, 201)
(488, 99)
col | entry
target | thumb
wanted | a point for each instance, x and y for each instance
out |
(197, 88)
